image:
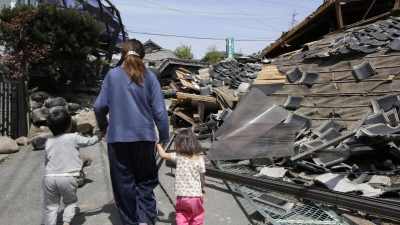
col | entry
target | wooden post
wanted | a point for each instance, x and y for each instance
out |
(339, 16)
(200, 110)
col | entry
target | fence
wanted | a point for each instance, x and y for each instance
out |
(13, 108)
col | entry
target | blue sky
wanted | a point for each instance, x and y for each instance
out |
(261, 20)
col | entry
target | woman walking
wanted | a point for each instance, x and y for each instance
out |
(132, 98)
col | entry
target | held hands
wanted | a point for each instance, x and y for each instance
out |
(99, 132)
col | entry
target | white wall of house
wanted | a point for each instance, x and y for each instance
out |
(7, 3)
(12, 3)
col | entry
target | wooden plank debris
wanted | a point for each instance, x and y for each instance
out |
(186, 96)
(200, 110)
(226, 95)
(182, 75)
(185, 117)
(270, 75)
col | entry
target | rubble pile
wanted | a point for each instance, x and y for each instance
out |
(194, 97)
(325, 116)
(41, 103)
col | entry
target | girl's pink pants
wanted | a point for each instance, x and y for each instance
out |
(189, 210)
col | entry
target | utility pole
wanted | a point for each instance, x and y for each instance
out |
(294, 22)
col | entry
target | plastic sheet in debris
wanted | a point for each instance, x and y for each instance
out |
(254, 130)
(255, 108)
(262, 141)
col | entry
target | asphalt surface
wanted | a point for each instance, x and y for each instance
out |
(21, 195)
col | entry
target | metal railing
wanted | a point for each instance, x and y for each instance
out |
(13, 108)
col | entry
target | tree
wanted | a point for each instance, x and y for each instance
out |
(59, 41)
(19, 53)
(212, 55)
(184, 52)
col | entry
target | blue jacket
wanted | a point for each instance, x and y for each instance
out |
(132, 109)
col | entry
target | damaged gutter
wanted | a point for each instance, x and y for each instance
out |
(384, 208)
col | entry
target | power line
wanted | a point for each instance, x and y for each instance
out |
(201, 38)
(187, 13)
(243, 16)
(283, 3)
(129, 3)
(250, 16)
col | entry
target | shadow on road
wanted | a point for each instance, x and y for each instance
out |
(108, 208)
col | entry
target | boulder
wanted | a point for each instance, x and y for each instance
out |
(39, 96)
(39, 143)
(8, 145)
(40, 115)
(22, 140)
(73, 108)
(74, 127)
(86, 121)
(52, 102)
(35, 131)
(58, 108)
(35, 105)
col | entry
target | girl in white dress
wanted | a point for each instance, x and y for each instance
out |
(189, 178)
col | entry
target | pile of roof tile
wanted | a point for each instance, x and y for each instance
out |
(233, 73)
(367, 39)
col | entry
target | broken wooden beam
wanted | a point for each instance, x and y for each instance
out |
(183, 96)
(185, 117)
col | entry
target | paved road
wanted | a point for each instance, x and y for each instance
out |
(21, 193)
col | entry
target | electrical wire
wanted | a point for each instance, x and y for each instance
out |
(283, 3)
(192, 14)
(210, 12)
(200, 38)
(250, 16)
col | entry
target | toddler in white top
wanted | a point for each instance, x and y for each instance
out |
(189, 178)
(62, 166)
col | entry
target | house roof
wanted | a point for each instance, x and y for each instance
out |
(150, 42)
(159, 55)
(347, 71)
(330, 16)
(184, 62)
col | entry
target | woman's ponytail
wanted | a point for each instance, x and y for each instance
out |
(133, 53)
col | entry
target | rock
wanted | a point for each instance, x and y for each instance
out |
(86, 121)
(35, 105)
(40, 115)
(4, 157)
(83, 99)
(8, 145)
(40, 96)
(52, 102)
(22, 140)
(74, 127)
(39, 143)
(35, 131)
(58, 108)
(73, 108)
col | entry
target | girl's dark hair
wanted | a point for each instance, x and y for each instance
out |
(186, 143)
(59, 120)
(133, 64)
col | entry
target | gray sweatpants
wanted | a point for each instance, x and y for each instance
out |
(54, 189)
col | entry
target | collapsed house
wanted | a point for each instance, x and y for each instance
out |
(318, 125)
